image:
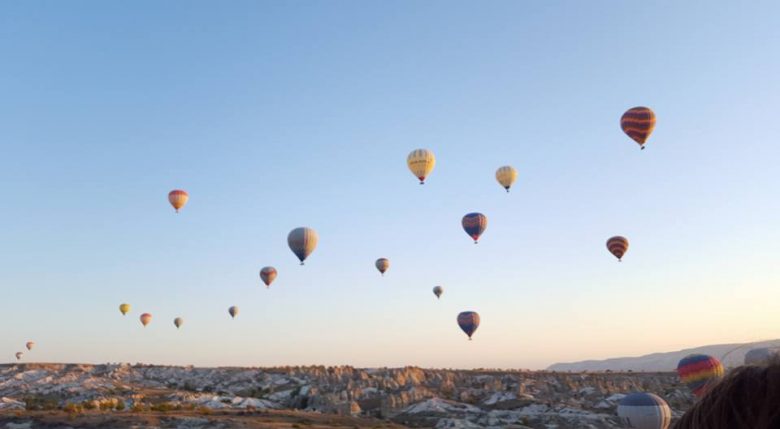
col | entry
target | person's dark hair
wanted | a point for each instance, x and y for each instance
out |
(748, 397)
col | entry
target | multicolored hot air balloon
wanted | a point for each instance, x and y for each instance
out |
(468, 322)
(302, 242)
(268, 275)
(145, 319)
(700, 372)
(421, 163)
(178, 198)
(638, 123)
(474, 224)
(30, 345)
(644, 411)
(178, 322)
(124, 309)
(617, 246)
(233, 311)
(506, 176)
(382, 264)
(19, 355)
(438, 290)
(762, 355)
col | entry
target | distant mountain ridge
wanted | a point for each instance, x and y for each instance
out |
(665, 361)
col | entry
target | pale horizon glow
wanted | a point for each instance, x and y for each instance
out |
(275, 115)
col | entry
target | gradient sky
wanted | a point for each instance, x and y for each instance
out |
(275, 115)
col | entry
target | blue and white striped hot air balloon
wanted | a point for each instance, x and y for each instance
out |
(644, 410)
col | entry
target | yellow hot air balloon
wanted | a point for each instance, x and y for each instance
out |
(124, 309)
(421, 163)
(506, 176)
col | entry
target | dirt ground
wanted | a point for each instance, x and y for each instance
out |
(184, 420)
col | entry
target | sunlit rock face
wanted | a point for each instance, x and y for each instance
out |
(409, 396)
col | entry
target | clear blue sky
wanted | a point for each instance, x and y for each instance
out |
(275, 115)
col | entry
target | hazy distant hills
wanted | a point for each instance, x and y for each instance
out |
(665, 361)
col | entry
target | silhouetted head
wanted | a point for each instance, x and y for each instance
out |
(748, 397)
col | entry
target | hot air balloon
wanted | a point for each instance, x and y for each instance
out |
(302, 242)
(506, 176)
(762, 355)
(638, 123)
(382, 264)
(421, 163)
(178, 322)
(468, 322)
(124, 309)
(30, 345)
(474, 224)
(145, 319)
(644, 411)
(233, 311)
(19, 355)
(178, 198)
(699, 372)
(268, 275)
(438, 290)
(617, 246)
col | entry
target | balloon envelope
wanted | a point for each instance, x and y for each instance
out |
(638, 123)
(617, 246)
(644, 411)
(474, 224)
(146, 318)
(19, 355)
(382, 264)
(124, 309)
(178, 198)
(421, 163)
(506, 176)
(178, 322)
(233, 311)
(762, 355)
(468, 322)
(302, 242)
(438, 290)
(268, 275)
(699, 372)
(30, 345)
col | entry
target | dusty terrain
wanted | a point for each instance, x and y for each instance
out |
(145, 396)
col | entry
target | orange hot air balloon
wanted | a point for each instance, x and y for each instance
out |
(178, 198)
(638, 123)
(268, 275)
(618, 246)
(145, 319)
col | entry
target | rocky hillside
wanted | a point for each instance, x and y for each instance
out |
(409, 396)
(732, 355)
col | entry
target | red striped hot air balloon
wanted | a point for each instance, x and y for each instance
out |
(638, 123)
(178, 198)
(617, 246)
(145, 319)
(268, 275)
(700, 372)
